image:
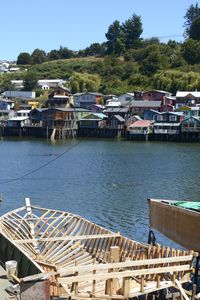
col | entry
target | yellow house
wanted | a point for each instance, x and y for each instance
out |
(34, 104)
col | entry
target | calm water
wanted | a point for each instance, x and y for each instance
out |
(105, 181)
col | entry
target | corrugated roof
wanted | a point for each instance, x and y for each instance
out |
(116, 110)
(146, 103)
(119, 118)
(140, 123)
(18, 119)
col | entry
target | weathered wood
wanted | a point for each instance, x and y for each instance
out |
(74, 252)
(112, 284)
(67, 238)
(181, 290)
(139, 272)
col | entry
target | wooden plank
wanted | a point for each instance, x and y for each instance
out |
(112, 284)
(67, 238)
(126, 274)
(126, 264)
(45, 223)
(51, 246)
(81, 296)
(181, 290)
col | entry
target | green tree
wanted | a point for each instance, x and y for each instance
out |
(191, 51)
(192, 13)
(24, 58)
(5, 84)
(95, 49)
(152, 63)
(65, 53)
(194, 31)
(115, 37)
(53, 55)
(38, 56)
(30, 81)
(83, 82)
(132, 29)
(74, 86)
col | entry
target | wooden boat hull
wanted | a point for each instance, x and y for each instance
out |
(84, 260)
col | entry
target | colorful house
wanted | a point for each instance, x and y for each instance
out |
(93, 120)
(138, 107)
(85, 100)
(186, 98)
(60, 97)
(155, 95)
(141, 127)
(191, 124)
(168, 123)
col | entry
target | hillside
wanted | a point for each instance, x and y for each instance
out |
(113, 75)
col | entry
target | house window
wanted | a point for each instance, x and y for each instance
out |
(159, 118)
(172, 118)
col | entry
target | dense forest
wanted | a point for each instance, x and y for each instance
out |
(124, 62)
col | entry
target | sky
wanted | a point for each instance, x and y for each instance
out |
(49, 24)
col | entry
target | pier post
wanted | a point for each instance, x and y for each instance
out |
(112, 284)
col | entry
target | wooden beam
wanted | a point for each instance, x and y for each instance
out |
(68, 238)
(181, 290)
(112, 284)
(113, 275)
(145, 262)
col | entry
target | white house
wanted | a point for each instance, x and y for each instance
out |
(50, 83)
(189, 98)
(18, 122)
(23, 113)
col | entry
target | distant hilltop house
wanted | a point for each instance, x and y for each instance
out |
(3, 69)
(44, 84)
(18, 84)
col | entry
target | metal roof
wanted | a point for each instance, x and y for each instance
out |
(141, 123)
(119, 118)
(18, 119)
(146, 103)
(116, 110)
(187, 93)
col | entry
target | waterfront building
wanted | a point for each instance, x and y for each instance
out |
(60, 97)
(85, 100)
(187, 98)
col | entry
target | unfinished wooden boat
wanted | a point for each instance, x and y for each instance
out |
(83, 260)
(178, 220)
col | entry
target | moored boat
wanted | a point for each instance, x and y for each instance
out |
(178, 220)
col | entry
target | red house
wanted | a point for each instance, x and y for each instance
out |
(155, 95)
